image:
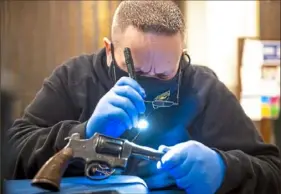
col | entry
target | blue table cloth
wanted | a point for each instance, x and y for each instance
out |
(82, 185)
(75, 185)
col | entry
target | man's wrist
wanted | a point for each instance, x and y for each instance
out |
(90, 129)
(222, 167)
(231, 175)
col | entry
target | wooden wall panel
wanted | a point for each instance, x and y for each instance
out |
(36, 36)
(270, 20)
(182, 6)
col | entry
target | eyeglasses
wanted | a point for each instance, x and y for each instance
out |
(166, 103)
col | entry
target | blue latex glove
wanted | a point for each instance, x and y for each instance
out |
(153, 177)
(196, 168)
(118, 110)
(158, 181)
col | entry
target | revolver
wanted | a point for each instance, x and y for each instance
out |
(102, 156)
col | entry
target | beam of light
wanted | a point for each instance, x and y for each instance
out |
(142, 124)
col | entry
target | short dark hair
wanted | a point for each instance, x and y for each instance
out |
(161, 17)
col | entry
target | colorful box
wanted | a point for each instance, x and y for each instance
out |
(274, 112)
(265, 100)
(274, 100)
(265, 111)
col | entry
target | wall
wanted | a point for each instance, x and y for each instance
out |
(213, 30)
(36, 36)
(270, 19)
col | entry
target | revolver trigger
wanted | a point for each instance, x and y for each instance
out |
(96, 171)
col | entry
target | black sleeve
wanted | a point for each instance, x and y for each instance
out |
(252, 166)
(277, 131)
(46, 122)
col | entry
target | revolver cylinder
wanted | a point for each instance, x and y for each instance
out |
(110, 146)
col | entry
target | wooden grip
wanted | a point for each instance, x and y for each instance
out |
(49, 176)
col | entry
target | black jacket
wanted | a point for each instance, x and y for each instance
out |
(209, 113)
(7, 99)
(277, 131)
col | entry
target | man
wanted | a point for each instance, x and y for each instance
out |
(213, 145)
(277, 131)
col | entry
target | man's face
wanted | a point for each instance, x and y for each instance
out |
(154, 55)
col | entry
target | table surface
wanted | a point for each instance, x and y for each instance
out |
(77, 185)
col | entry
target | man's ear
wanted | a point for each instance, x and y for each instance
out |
(107, 44)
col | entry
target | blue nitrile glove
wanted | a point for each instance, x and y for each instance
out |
(159, 181)
(196, 168)
(153, 177)
(118, 109)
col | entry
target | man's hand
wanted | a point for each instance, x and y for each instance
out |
(196, 168)
(118, 110)
(159, 181)
(153, 177)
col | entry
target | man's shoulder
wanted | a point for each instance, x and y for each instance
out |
(76, 68)
(203, 78)
(205, 84)
(205, 72)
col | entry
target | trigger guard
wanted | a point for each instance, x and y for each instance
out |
(89, 168)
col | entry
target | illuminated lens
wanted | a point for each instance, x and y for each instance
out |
(142, 124)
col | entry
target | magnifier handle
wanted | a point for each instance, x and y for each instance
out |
(130, 63)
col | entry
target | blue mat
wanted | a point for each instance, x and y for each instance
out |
(75, 185)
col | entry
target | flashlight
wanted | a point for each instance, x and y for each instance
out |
(142, 123)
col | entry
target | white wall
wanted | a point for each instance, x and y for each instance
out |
(213, 28)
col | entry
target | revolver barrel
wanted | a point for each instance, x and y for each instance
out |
(125, 149)
(146, 153)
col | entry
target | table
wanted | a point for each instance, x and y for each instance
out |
(79, 185)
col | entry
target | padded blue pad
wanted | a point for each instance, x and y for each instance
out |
(78, 185)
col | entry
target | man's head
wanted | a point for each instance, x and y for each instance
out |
(154, 31)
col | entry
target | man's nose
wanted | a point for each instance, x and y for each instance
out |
(151, 73)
